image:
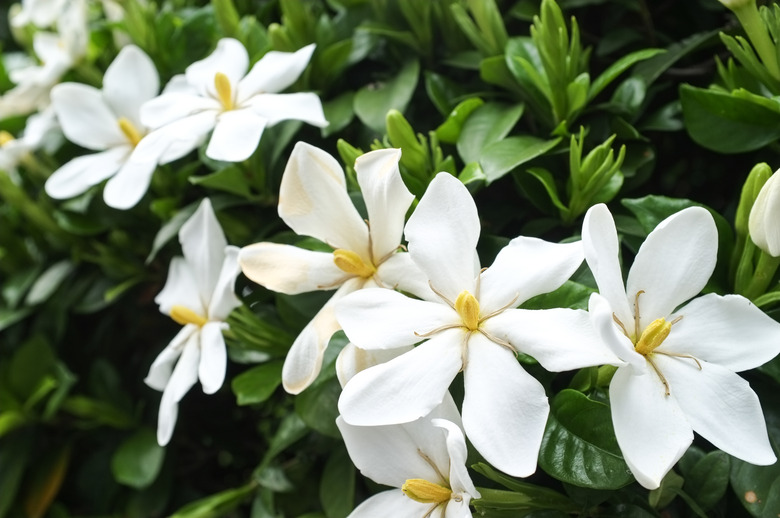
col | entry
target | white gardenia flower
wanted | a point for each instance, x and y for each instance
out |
(41, 13)
(680, 360)
(217, 93)
(41, 131)
(108, 121)
(424, 460)
(765, 215)
(198, 295)
(313, 201)
(470, 325)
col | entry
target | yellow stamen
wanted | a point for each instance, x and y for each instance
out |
(184, 315)
(420, 490)
(653, 336)
(130, 131)
(468, 308)
(224, 90)
(351, 263)
(5, 138)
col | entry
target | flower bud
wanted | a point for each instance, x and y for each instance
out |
(764, 217)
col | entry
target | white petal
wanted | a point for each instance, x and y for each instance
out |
(405, 388)
(460, 481)
(180, 289)
(236, 135)
(443, 233)
(387, 198)
(203, 244)
(229, 58)
(378, 318)
(353, 359)
(274, 72)
(399, 272)
(504, 408)
(213, 359)
(85, 117)
(650, 427)
(184, 376)
(289, 269)
(223, 298)
(720, 406)
(174, 106)
(81, 173)
(125, 189)
(304, 360)
(527, 267)
(560, 339)
(726, 330)
(458, 508)
(390, 504)
(130, 80)
(313, 201)
(602, 253)
(162, 367)
(674, 263)
(302, 106)
(178, 138)
(603, 322)
(762, 225)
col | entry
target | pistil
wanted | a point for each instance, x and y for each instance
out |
(224, 90)
(130, 131)
(184, 315)
(351, 263)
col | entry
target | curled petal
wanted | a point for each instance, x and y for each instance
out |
(289, 269)
(602, 318)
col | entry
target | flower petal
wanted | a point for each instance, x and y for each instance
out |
(313, 201)
(289, 269)
(764, 231)
(399, 272)
(176, 105)
(184, 376)
(504, 408)
(460, 481)
(378, 318)
(130, 80)
(85, 117)
(650, 427)
(274, 72)
(203, 244)
(125, 189)
(81, 173)
(674, 263)
(720, 406)
(353, 359)
(162, 367)
(527, 267)
(180, 289)
(213, 357)
(387, 198)
(302, 106)
(405, 388)
(304, 360)
(443, 233)
(390, 504)
(602, 319)
(236, 135)
(560, 339)
(223, 298)
(602, 253)
(229, 58)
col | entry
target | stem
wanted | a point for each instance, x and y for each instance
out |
(751, 21)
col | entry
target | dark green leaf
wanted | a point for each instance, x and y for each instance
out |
(337, 486)
(708, 479)
(449, 131)
(500, 157)
(372, 102)
(257, 384)
(618, 67)
(138, 459)
(487, 124)
(231, 179)
(338, 112)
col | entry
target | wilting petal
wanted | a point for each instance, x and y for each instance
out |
(390, 504)
(130, 80)
(223, 298)
(720, 406)
(83, 172)
(674, 263)
(460, 481)
(229, 58)
(602, 253)
(762, 223)
(289, 269)
(180, 289)
(274, 72)
(401, 273)
(85, 117)
(304, 361)
(527, 267)
(384, 319)
(203, 244)
(184, 376)
(313, 201)
(725, 330)
(443, 233)
(405, 388)
(236, 135)
(603, 322)
(650, 427)
(560, 339)
(213, 359)
(504, 408)
(302, 106)
(162, 367)
(353, 359)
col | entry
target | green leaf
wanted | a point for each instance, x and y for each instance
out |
(48, 282)
(30, 364)
(618, 67)
(757, 487)
(708, 479)
(489, 123)
(257, 384)
(472, 174)
(500, 157)
(216, 505)
(10, 420)
(318, 407)
(665, 493)
(339, 113)
(651, 69)
(570, 295)
(449, 131)
(579, 445)
(337, 485)
(726, 123)
(137, 461)
(372, 102)
(232, 179)
(545, 177)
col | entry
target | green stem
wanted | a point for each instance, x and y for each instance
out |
(751, 21)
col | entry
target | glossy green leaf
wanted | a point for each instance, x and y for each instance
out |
(372, 102)
(757, 487)
(667, 491)
(339, 113)
(570, 295)
(337, 485)
(318, 406)
(500, 157)
(487, 124)
(545, 177)
(618, 67)
(449, 131)
(257, 384)
(708, 480)
(233, 179)
(579, 445)
(137, 461)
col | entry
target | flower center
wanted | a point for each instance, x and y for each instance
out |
(653, 336)
(351, 263)
(425, 492)
(5, 138)
(184, 315)
(224, 90)
(130, 131)
(467, 307)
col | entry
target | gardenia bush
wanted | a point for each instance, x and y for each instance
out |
(371, 258)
